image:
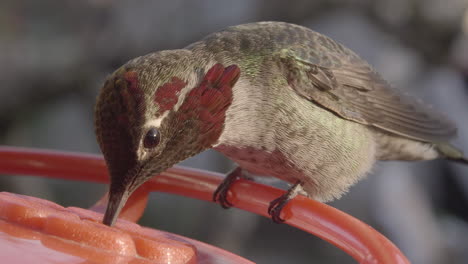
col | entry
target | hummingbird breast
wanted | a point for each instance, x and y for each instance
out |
(271, 131)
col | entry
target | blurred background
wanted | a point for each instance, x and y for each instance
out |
(55, 55)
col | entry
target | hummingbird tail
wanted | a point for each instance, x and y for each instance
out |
(451, 153)
(462, 160)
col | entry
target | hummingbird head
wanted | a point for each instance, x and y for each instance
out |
(156, 111)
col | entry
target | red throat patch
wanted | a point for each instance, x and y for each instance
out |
(167, 95)
(210, 100)
(132, 97)
(133, 88)
(132, 80)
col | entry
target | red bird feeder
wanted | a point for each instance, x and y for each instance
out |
(33, 230)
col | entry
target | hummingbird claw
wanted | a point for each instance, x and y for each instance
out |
(221, 193)
(274, 210)
(220, 196)
(277, 205)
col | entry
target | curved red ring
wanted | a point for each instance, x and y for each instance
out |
(356, 238)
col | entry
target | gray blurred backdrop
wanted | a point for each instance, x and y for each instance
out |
(55, 55)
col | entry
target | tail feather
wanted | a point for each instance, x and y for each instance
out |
(461, 160)
(451, 153)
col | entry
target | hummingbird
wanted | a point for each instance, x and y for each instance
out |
(278, 99)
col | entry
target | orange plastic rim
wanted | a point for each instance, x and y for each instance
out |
(356, 238)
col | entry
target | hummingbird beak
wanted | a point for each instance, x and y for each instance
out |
(120, 190)
(117, 200)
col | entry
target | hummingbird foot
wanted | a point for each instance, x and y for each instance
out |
(276, 206)
(221, 193)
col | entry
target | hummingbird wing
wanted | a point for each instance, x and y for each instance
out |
(346, 85)
(332, 76)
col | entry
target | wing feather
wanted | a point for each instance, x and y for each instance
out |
(354, 91)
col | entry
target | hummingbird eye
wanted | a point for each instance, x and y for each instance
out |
(152, 138)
